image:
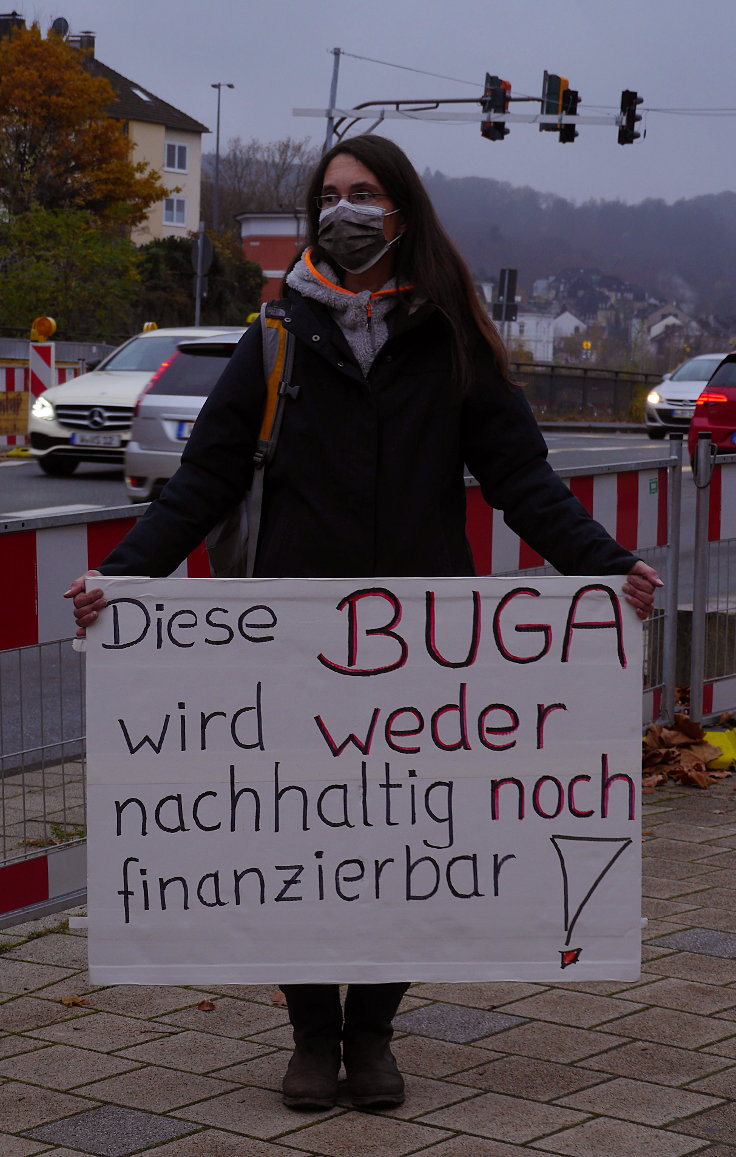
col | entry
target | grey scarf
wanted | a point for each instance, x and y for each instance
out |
(361, 316)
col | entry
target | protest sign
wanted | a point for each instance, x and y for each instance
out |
(363, 780)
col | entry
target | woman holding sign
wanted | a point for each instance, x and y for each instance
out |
(402, 378)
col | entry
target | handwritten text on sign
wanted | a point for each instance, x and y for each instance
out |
(336, 780)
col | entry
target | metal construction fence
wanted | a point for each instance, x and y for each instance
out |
(42, 726)
(713, 656)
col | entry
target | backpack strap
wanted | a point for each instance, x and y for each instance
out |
(278, 361)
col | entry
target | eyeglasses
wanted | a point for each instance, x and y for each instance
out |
(329, 200)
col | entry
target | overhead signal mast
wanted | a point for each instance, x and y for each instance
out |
(558, 111)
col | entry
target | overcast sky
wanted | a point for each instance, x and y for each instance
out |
(677, 54)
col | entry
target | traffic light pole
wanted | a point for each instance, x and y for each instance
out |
(333, 97)
(429, 110)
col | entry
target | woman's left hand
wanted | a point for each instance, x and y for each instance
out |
(641, 583)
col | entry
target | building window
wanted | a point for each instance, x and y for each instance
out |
(176, 157)
(175, 211)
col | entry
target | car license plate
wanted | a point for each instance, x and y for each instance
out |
(82, 438)
(683, 411)
(184, 429)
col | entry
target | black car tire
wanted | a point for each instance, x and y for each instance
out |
(656, 434)
(58, 465)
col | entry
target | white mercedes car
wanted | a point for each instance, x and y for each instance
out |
(88, 418)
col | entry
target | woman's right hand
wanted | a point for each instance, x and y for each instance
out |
(87, 603)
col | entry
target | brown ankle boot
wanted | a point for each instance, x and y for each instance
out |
(315, 1012)
(374, 1080)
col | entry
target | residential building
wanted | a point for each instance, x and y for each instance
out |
(486, 291)
(534, 330)
(566, 324)
(169, 140)
(666, 328)
(165, 138)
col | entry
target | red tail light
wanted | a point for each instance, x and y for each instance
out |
(161, 369)
(709, 396)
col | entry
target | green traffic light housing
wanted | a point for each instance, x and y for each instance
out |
(558, 99)
(553, 89)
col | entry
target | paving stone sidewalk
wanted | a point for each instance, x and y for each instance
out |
(603, 1069)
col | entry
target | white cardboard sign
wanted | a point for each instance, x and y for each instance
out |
(356, 781)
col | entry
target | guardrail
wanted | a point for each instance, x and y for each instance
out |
(584, 391)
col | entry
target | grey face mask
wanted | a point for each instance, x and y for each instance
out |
(352, 235)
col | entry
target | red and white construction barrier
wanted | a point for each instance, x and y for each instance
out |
(722, 503)
(719, 694)
(18, 379)
(631, 504)
(60, 875)
(42, 364)
(37, 564)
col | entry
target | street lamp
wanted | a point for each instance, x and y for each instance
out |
(216, 201)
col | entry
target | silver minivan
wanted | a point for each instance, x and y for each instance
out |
(166, 410)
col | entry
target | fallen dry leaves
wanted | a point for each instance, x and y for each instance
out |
(73, 1001)
(206, 1006)
(679, 753)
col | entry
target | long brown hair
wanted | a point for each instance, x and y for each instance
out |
(426, 257)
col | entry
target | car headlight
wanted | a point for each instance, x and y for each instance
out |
(42, 408)
(654, 397)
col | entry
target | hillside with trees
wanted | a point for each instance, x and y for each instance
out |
(684, 252)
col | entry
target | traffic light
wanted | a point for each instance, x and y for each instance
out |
(495, 99)
(570, 99)
(554, 90)
(627, 133)
(505, 307)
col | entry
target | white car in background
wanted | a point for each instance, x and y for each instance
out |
(671, 404)
(88, 418)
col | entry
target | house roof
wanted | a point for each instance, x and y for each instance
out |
(135, 103)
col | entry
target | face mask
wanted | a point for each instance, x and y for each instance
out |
(352, 235)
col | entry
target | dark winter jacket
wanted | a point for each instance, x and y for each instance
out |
(367, 479)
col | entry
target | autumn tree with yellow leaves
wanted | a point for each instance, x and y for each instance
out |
(59, 147)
